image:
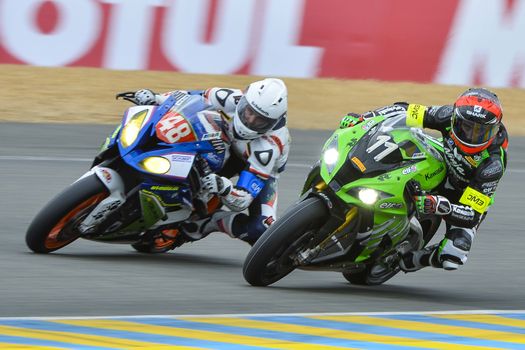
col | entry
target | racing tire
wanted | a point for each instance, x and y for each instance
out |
(55, 226)
(269, 259)
(149, 248)
(367, 277)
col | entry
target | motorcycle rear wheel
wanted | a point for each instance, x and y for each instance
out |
(55, 226)
(369, 277)
(269, 259)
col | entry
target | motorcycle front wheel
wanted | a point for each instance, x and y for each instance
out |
(270, 259)
(56, 225)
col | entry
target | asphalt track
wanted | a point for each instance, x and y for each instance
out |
(88, 278)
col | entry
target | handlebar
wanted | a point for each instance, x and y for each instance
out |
(128, 96)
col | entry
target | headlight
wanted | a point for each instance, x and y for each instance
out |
(330, 156)
(368, 196)
(132, 128)
(155, 165)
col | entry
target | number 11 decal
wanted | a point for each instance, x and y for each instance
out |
(389, 147)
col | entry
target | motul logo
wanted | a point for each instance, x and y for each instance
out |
(124, 34)
(294, 38)
(473, 52)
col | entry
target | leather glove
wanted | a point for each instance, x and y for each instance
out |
(145, 97)
(429, 204)
(349, 120)
(214, 183)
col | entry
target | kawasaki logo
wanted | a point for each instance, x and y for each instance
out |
(434, 173)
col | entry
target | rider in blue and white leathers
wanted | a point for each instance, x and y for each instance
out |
(260, 143)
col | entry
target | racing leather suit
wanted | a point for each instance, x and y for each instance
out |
(257, 162)
(470, 185)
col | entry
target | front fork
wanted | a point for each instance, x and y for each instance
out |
(341, 217)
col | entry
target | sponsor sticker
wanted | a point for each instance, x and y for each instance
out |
(428, 176)
(255, 187)
(368, 125)
(173, 128)
(475, 199)
(180, 97)
(211, 136)
(359, 164)
(164, 188)
(106, 175)
(493, 169)
(181, 164)
(471, 161)
(390, 205)
(415, 115)
(409, 170)
(384, 177)
(181, 158)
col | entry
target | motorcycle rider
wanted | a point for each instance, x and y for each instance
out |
(260, 143)
(475, 150)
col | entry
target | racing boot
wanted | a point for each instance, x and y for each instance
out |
(235, 225)
(221, 221)
(417, 259)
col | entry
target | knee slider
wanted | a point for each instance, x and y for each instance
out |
(257, 226)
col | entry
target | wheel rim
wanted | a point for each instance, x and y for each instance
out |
(62, 234)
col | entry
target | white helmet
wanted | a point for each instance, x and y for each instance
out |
(263, 105)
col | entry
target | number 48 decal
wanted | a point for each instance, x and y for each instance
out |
(173, 128)
(389, 147)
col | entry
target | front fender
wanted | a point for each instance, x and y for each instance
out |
(113, 182)
(109, 178)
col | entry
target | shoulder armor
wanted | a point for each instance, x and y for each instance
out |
(267, 152)
(223, 98)
(490, 170)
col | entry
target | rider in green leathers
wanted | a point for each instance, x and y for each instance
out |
(475, 150)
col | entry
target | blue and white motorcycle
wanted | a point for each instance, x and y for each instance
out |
(145, 180)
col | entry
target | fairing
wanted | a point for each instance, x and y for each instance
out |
(383, 155)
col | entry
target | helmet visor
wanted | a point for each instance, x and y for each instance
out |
(252, 119)
(471, 133)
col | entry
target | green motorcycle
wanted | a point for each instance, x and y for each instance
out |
(356, 214)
